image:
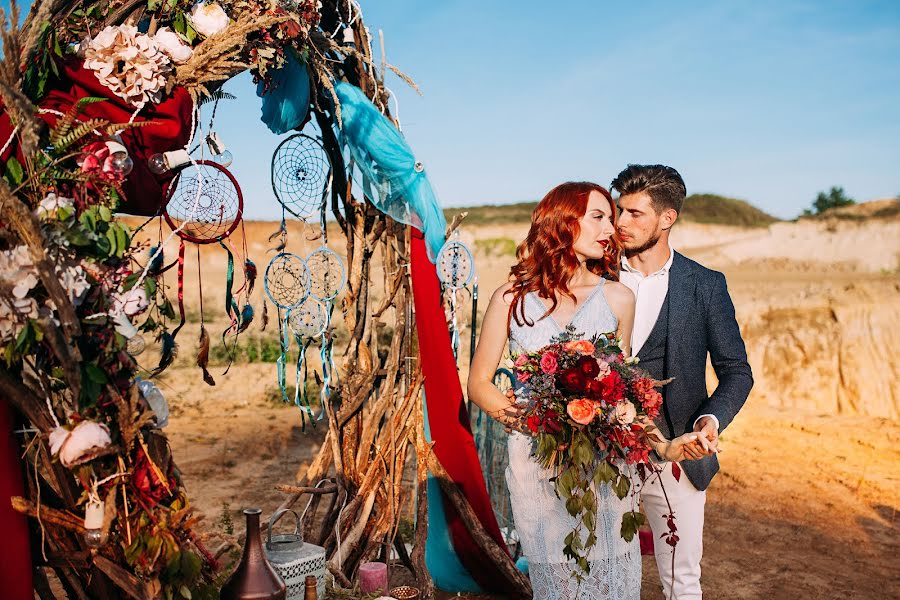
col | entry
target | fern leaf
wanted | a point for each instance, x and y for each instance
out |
(215, 96)
(64, 125)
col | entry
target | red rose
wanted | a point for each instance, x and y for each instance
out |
(588, 366)
(613, 387)
(572, 380)
(533, 423)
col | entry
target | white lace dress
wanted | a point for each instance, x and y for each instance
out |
(541, 519)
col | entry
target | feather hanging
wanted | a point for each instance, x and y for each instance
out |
(203, 356)
(250, 272)
(246, 318)
(168, 353)
(265, 316)
(156, 261)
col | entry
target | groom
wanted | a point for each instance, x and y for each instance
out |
(683, 313)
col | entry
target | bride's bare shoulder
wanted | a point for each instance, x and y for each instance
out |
(503, 294)
(618, 294)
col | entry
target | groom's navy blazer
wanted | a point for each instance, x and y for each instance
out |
(697, 318)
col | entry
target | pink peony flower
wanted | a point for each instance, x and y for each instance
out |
(604, 369)
(74, 445)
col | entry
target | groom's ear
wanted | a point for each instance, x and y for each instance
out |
(669, 216)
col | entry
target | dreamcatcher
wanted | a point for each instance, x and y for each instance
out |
(456, 270)
(204, 205)
(301, 181)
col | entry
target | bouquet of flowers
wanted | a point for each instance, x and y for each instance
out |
(587, 406)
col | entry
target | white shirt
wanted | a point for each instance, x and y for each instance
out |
(649, 294)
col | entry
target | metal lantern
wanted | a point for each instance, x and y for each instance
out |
(294, 559)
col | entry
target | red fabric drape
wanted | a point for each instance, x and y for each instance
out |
(15, 553)
(170, 128)
(448, 419)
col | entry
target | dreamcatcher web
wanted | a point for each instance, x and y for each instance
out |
(455, 265)
(308, 320)
(205, 202)
(327, 274)
(301, 175)
(287, 280)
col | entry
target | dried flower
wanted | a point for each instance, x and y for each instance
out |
(208, 18)
(131, 64)
(132, 302)
(72, 446)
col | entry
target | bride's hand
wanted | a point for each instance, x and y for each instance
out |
(690, 446)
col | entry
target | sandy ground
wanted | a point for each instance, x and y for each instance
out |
(806, 502)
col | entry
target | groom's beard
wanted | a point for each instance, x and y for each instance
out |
(635, 250)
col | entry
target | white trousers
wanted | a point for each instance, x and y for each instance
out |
(687, 504)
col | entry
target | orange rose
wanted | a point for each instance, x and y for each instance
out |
(582, 411)
(583, 346)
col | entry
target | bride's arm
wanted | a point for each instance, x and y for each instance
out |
(480, 387)
(621, 301)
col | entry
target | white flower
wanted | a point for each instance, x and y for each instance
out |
(625, 412)
(13, 317)
(73, 280)
(73, 445)
(208, 18)
(171, 44)
(54, 207)
(132, 302)
(129, 63)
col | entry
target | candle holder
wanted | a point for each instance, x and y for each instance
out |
(405, 592)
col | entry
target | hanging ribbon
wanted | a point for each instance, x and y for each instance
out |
(300, 399)
(282, 360)
(180, 289)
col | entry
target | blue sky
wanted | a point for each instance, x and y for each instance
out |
(769, 101)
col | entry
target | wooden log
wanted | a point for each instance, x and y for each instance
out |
(518, 583)
(49, 516)
(423, 449)
(128, 583)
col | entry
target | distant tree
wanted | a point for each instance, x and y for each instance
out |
(835, 198)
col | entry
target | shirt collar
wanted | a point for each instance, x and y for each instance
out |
(665, 268)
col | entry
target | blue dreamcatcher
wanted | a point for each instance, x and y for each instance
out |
(456, 271)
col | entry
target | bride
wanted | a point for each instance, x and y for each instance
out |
(566, 275)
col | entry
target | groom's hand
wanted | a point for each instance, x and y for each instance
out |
(706, 426)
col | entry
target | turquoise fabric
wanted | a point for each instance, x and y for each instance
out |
(386, 169)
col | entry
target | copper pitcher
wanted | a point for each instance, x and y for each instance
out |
(254, 578)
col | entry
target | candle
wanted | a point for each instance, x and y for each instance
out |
(373, 577)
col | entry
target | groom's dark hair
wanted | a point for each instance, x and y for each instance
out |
(664, 185)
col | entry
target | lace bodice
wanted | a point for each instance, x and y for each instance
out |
(541, 519)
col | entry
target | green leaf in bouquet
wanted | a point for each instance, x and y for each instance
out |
(573, 505)
(583, 565)
(589, 518)
(631, 522)
(589, 501)
(582, 453)
(604, 473)
(621, 487)
(565, 482)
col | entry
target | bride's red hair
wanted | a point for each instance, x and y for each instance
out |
(546, 260)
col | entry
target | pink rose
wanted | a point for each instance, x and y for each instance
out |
(582, 411)
(582, 346)
(604, 369)
(548, 363)
(521, 360)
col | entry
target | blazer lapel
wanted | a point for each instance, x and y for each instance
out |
(681, 295)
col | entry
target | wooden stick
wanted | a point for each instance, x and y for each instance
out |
(293, 489)
(51, 516)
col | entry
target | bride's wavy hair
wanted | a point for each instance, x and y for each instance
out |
(546, 261)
